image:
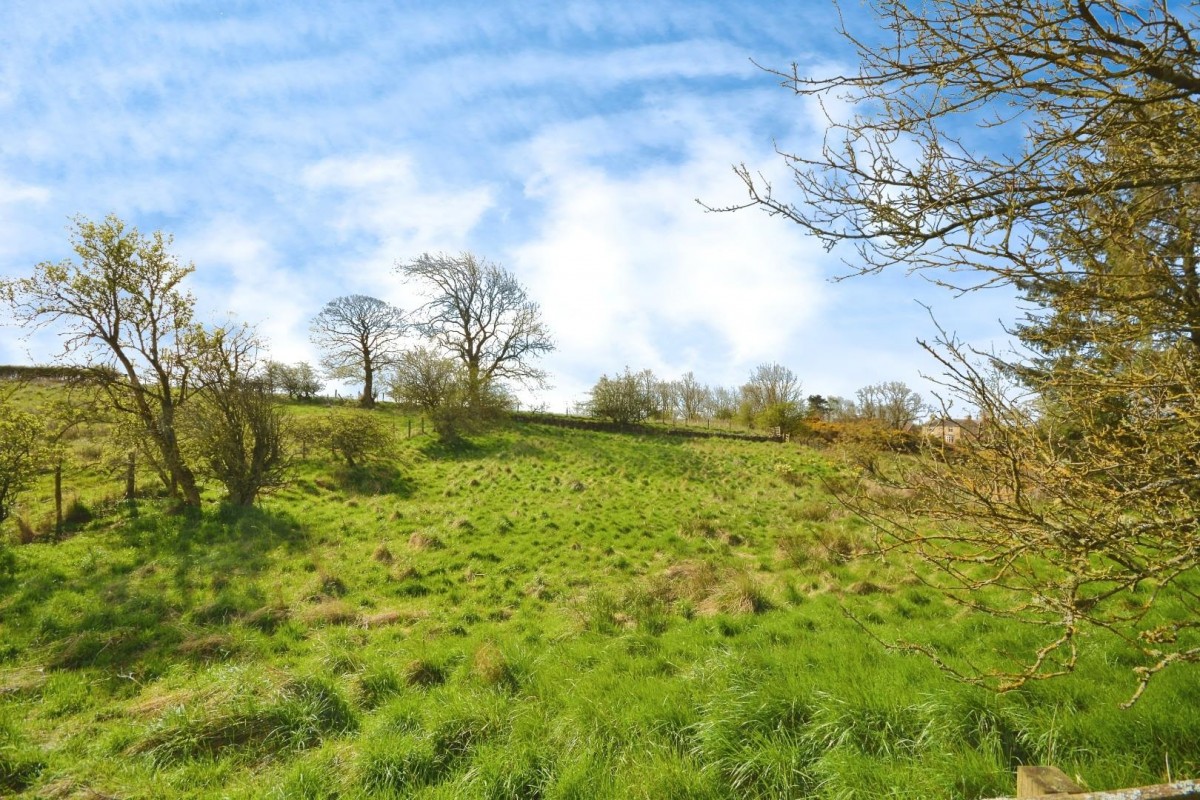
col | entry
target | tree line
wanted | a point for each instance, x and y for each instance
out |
(197, 401)
(771, 398)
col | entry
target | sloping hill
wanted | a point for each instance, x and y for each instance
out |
(544, 611)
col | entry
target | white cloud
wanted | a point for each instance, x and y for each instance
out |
(240, 274)
(631, 271)
(11, 192)
(382, 198)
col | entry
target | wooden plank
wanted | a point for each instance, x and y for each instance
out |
(1179, 790)
(1038, 781)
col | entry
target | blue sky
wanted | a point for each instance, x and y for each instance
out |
(297, 151)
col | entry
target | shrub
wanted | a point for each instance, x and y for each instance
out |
(624, 399)
(238, 432)
(354, 435)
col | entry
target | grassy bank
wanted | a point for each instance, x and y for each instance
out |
(543, 612)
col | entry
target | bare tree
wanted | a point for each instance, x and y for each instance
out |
(358, 336)
(482, 315)
(425, 380)
(771, 385)
(692, 396)
(722, 403)
(891, 403)
(127, 318)
(1081, 515)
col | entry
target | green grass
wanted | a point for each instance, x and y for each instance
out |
(541, 612)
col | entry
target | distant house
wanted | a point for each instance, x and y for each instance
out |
(951, 431)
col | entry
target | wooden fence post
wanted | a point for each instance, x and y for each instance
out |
(58, 509)
(130, 477)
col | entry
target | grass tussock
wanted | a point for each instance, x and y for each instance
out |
(208, 646)
(423, 540)
(673, 628)
(296, 715)
(329, 612)
(423, 672)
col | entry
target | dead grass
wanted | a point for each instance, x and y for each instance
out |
(491, 667)
(208, 647)
(268, 618)
(423, 672)
(422, 540)
(867, 587)
(382, 619)
(329, 612)
(820, 548)
(23, 682)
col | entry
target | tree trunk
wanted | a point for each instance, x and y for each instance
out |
(368, 396)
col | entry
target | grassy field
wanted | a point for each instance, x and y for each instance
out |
(542, 612)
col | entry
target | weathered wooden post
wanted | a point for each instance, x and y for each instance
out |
(58, 510)
(1039, 781)
(130, 477)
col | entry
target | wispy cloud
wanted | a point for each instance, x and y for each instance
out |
(299, 151)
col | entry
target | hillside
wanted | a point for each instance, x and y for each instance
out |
(541, 612)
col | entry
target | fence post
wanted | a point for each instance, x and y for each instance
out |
(58, 511)
(130, 477)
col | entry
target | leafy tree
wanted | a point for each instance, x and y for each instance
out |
(1075, 509)
(358, 336)
(773, 396)
(890, 403)
(298, 381)
(128, 320)
(626, 398)
(21, 448)
(437, 385)
(817, 407)
(234, 426)
(428, 381)
(840, 409)
(355, 436)
(480, 314)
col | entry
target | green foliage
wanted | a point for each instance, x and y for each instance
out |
(354, 436)
(235, 430)
(426, 380)
(787, 417)
(548, 611)
(298, 381)
(624, 399)
(125, 313)
(22, 445)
